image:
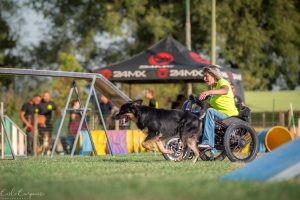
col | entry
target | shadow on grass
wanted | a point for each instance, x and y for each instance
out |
(117, 160)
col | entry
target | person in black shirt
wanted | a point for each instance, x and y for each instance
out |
(27, 115)
(46, 109)
(105, 105)
(107, 109)
(149, 94)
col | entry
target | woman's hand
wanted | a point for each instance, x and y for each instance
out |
(203, 95)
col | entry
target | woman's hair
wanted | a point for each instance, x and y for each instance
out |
(214, 71)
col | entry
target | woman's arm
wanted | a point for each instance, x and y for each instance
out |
(222, 91)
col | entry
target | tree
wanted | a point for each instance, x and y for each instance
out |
(8, 41)
(259, 37)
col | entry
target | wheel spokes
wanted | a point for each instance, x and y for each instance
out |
(240, 143)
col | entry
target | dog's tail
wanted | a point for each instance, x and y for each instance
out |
(190, 127)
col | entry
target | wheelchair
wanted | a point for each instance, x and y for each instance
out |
(235, 138)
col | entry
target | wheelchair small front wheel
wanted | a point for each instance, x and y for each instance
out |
(175, 144)
(241, 142)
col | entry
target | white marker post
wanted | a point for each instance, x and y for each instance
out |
(293, 121)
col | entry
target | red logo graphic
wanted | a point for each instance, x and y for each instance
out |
(106, 73)
(198, 58)
(161, 58)
(163, 72)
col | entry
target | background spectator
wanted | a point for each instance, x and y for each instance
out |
(107, 109)
(179, 102)
(27, 116)
(149, 94)
(73, 125)
(47, 108)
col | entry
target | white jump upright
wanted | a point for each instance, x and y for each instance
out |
(5, 136)
(17, 136)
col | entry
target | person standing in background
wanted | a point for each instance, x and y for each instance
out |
(27, 116)
(179, 102)
(149, 94)
(107, 109)
(47, 108)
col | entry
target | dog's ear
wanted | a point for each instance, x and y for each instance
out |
(137, 102)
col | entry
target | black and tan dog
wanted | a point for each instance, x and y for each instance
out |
(160, 124)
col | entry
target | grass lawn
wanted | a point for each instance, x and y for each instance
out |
(263, 101)
(129, 177)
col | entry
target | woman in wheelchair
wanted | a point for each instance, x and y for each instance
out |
(221, 103)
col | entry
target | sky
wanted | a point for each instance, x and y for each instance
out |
(28, 25)
(33, 27)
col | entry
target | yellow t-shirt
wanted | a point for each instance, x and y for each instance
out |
(224, 103)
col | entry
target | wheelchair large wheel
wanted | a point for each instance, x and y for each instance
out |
(175, 144)
(241, 142)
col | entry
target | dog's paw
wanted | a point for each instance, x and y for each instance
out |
(178, 159)
(169, 152)
(195, 160)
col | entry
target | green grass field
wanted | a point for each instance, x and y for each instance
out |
(266, 101)
(129, 177)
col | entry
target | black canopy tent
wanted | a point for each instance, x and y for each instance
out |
(168, 61)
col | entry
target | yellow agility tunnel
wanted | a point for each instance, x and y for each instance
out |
(132, 143)
(274, 137)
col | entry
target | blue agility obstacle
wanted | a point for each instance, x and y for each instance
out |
(281, 164)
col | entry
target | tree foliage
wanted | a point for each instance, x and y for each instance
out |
(8, 40)
(259, 37)
(61, 86)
